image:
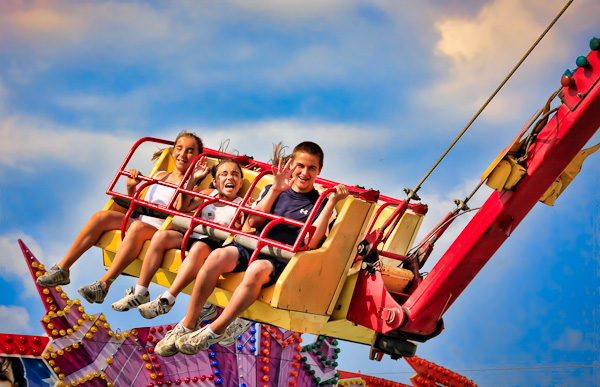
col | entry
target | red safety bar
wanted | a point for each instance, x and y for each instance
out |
(306, 228)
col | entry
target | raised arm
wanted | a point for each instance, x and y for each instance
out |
(282, 180)
(341, 192)
(185, 202)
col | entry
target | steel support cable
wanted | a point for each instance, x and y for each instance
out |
(492, 96)
(439, 228)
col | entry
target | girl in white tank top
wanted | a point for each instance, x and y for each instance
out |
(186, 147)
(157, 194)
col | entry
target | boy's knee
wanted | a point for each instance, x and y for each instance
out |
(213, 261)
(221, 259)
(259, 271)
(196, 248)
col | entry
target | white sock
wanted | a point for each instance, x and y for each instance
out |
(185, 329)
(207, 305)
(211, 332)
(140, 290)
(170, 298)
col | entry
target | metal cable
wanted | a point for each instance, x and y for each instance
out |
(493, 94)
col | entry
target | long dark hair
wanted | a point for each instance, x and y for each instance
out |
(18, 370)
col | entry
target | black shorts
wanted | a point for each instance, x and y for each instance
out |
(210, 242)
(244, 255)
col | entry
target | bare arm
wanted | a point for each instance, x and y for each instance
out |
(282, 180)
(322, 221)
(132, 181)
(185, 202)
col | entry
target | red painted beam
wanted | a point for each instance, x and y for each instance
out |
(557, 144)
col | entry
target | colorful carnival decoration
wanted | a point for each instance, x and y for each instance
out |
(83, 349)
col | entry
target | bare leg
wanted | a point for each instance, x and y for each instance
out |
(244, 295)
(190, 267)
(138, 233)
(218, 262)
(100, 222)
(161, 241)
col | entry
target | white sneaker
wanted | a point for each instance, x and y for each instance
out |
(155, 308)
(194, 342)
(130, 300)
(166, 347)
(236, 328)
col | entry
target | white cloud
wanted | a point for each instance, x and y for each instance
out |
(14, 319)
(477, 52)
(29, 142)
(573, 340)
(44, 26)
(258, 136)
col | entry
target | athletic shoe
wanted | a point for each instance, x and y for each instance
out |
(130, 300)
(208, 312)
(155, 308)
(236, 328)
(166, 347)
(54, 277)
(194, 342)
(93, 293)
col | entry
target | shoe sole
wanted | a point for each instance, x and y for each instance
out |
(157, 351)
(88, 299)
(150, 317)
(229, 344)
(126, 308)
(59, 283)
(194, 351)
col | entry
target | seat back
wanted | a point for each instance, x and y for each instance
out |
(312, 280)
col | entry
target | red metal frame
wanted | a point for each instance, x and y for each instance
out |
(306, 228)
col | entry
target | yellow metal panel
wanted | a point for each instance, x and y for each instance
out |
(307, 322)
(403, 236)
(343, 302)
(565, 178)
(497, 178)
(311, 279)
(249, 177)
(345, 330)
(516, 173)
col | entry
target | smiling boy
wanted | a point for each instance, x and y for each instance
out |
(291, 195)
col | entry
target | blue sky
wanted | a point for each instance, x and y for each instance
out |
(383, 86)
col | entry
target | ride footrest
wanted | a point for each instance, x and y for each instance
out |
(394, 346)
